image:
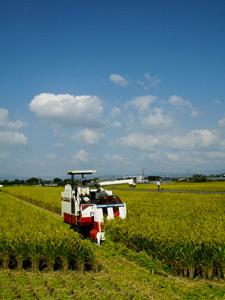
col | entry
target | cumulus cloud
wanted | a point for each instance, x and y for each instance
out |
(9, 135)
(12, 138)
(180, 102)
(68, 110)
(194, 140)
(197, 138)
(81, 156)
(5, 123)
(90, 136)
(139, 140)
(118, 80)
(157, 119)
(141, 103)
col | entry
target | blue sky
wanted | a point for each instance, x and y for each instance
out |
(114, 85)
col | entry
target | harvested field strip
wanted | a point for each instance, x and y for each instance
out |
(184, 231)
(34, 239)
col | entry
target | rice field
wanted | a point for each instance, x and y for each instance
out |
(218, 186)
(45, 197)
(31, 238)
(157, 241)
(184, 231)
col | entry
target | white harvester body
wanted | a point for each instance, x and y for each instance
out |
(85, 207)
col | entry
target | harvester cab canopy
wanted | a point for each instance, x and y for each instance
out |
(72, 173)
(81, 172)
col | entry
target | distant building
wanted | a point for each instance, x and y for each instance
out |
(141, 179)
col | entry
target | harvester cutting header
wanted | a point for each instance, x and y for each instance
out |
(85, 204)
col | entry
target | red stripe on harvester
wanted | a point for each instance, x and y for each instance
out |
(70, 219)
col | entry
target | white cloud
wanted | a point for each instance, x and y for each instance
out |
(222, 122)
(115, 124)
(180, 102)
(150, 81)
(197, 138)
(68, 110)
(173, 156)
(81, 156)
(153, 81)
(5, 123)
(118, 79)
(195, 113)
(115, 112)
(90, 136)
(157, 119)
(142, 103)
(216, 101)
(139, 140)
(12, 138)
(8, 131)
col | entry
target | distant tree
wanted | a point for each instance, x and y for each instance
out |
(5, 182)
(16, 182)
(199, 178)
(153, 178)
(57, 181)
(32, 181)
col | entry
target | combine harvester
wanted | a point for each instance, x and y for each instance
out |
(85, 205)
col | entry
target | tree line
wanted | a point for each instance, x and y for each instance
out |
(35, 181)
